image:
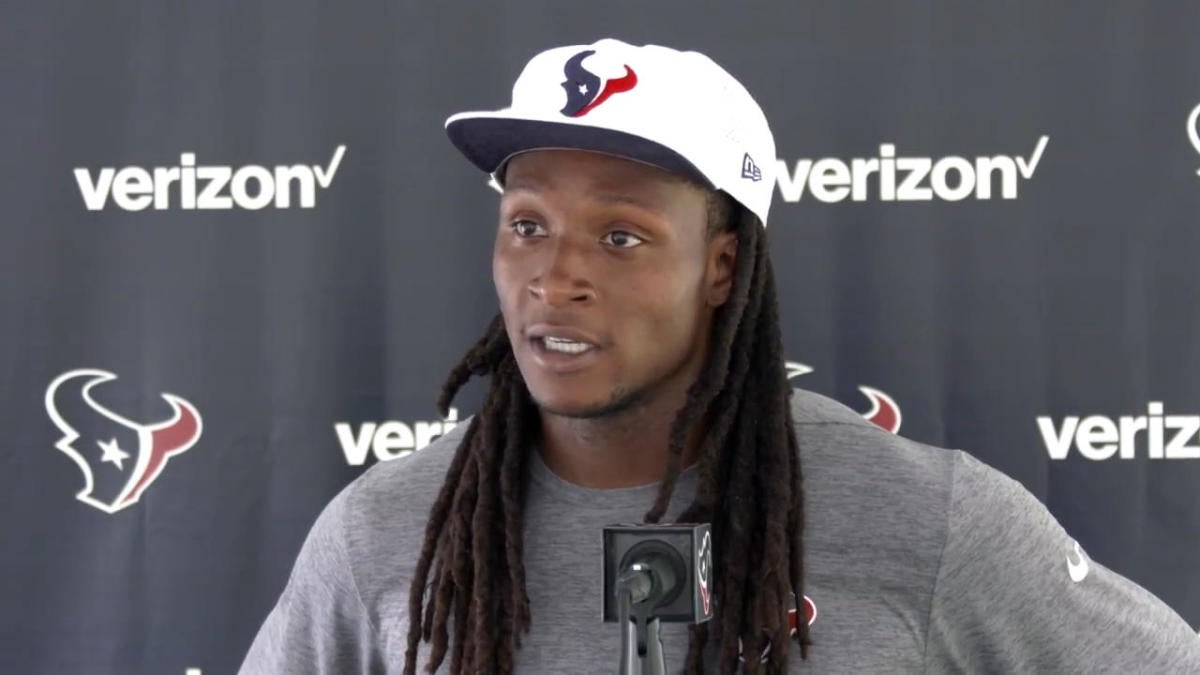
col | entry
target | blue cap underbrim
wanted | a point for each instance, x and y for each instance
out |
(489, 141)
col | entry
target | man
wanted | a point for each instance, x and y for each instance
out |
(637, 374)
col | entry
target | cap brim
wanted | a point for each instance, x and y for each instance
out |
(488, 139)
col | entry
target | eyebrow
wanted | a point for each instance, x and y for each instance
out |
(603, 197)
(617, 198)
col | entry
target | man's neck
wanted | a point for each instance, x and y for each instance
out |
(623, 450)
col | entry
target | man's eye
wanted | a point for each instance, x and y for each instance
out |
(525, 228)
(623, 239)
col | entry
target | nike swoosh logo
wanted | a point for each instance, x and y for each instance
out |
(1078, 570)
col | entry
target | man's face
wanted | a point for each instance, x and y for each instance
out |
(607, 280)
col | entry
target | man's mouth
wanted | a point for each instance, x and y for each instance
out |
(563, 345)
(562, 349)
(563, 355)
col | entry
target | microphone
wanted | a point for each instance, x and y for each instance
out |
(652, 574)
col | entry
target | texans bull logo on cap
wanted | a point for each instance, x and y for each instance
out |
(583, 86)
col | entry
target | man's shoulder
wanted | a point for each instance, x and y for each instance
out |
(412, 476)
(835, 439)
(867, 486)
(386, 507)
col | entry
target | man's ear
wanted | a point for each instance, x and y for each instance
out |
(722, 261)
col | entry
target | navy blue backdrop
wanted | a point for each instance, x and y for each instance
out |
(238, 256)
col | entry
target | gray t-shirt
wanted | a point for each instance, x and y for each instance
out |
(918, 560)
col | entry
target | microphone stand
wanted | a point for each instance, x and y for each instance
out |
(641, 643)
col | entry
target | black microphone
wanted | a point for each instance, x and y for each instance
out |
(652, 574)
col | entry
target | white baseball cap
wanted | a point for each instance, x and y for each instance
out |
(676, 110)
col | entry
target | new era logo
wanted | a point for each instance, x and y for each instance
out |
(750, 169)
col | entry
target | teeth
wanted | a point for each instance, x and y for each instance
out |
(566, 346)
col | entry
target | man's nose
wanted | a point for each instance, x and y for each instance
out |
(563, 278)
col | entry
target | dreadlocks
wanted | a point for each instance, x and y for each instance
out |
(748, 488)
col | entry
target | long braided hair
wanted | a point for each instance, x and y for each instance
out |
(749, 487)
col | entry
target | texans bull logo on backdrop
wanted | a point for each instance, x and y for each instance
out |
(583, 88)
(883, 413)
(119, 458)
